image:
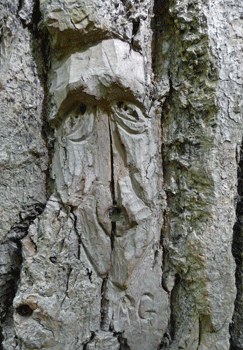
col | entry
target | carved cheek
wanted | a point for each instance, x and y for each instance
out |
(74, 156)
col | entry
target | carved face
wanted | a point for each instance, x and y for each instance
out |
(84, 272)
(100, 166)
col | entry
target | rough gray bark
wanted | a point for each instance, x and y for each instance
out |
(121, 175)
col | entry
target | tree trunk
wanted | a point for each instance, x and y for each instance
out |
(121, 175)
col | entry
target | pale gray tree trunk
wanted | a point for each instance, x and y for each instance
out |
(121, 175)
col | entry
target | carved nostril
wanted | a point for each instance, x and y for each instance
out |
(114, 213)
(24, 310)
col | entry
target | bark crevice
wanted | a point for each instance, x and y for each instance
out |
(237, 251)
(113, 189)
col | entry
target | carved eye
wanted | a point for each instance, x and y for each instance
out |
(120, 104)
(129, 117)
(24, 310)
(129, 108)
(79, 123)
(135, 114)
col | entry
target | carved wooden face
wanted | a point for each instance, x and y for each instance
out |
(99, 224)
(100, 161)
(87, 249)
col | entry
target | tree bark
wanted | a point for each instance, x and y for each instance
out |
(121, 175)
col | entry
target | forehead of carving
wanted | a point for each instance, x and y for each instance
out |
(73, 23)
(107, 71)
(77, 14)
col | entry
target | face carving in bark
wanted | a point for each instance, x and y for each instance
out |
(92, 260)
(105, 158)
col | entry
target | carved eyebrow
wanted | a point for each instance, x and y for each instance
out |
(97, 75)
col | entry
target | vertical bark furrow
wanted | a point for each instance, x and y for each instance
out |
(237, 250)
(113, 190)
